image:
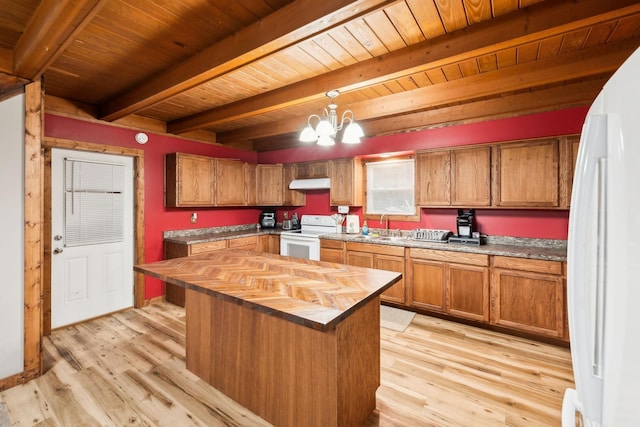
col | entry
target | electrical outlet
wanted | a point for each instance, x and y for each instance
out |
(194, 218)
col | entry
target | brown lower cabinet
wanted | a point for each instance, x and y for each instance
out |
(382, 257)
(454, 283)
(332, 251)
(269, 243)
(517, 294)
(529, 295)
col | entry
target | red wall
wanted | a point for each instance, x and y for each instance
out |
(519, 223)
(157, 218)
(547, 224)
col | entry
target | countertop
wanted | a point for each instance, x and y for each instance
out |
(315, 294)
(543, 249)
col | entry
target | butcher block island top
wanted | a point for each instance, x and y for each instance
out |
(295, 341)
(315, 294)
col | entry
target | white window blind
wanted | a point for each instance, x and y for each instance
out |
(94, 202)
(390, 187)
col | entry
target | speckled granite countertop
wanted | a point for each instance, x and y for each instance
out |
(552, 250)
(544, 249)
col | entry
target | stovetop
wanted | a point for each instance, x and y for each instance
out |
(314, 225)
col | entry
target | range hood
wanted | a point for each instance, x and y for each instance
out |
(310, 184)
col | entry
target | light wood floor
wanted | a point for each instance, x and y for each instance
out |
(128, 369)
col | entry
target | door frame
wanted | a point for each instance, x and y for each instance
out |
(138, 214)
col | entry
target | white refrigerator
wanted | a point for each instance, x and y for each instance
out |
(603, 259)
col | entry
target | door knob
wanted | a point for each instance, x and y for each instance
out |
(57, 251)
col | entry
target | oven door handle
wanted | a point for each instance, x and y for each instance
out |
(299, 238)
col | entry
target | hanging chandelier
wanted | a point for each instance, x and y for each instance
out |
(327, 128)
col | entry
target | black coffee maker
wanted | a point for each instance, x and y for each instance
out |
(466, 222)
(268, 219)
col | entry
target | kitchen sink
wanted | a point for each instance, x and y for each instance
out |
(384, 238)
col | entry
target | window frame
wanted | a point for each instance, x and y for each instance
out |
(394, 217)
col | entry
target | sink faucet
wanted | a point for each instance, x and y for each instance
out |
(386, 225)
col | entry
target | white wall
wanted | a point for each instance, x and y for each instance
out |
(12, 236)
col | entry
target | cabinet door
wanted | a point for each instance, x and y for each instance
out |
(527, 174)
(568, 157)
(250, 191)
(230, 175)
(332, 251)
(395, 293)
(467, 292)
(189, 180)
(269, 185)
(427, 284)
(346, 182)
(307, 170)
(360, 259)
(291, 197)
(471, 177)
(531, 302)
(270, 243)
(433, 178)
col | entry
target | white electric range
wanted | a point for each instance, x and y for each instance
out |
(305, 243)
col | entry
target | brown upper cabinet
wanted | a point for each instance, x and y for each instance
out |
(307, 170)
(269, 185)
(527, 174)
(346, 182)
(230, 176)
(291, 197)
(455, 177)
(250, 190)
(523, 174)
(189, 180)
(570, 145)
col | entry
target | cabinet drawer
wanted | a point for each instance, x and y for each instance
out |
(198, 248)
(331, 244)
(243, 242)
(525, 264)
(450, 256)
(375, 249)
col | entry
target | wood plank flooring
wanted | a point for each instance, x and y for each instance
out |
(128, 369)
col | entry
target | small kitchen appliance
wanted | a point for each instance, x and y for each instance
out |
(268, 219)
(466, 222)
(286, 222)
(466, 227)
(353, 224)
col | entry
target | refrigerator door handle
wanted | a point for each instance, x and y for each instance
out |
(601, 265)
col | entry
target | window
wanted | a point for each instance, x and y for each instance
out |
(390, 187)
(94, 202)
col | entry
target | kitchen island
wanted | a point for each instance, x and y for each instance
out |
(293, 340)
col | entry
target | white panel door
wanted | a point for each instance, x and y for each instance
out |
(92, 235)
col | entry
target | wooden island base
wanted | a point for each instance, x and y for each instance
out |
(289, 374)
(295, 341)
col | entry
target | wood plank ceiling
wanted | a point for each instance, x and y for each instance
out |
(249, 72)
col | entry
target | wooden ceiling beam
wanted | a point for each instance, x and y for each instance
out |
(52, 28)
(560, 97)
(579, 64)
(291, 24)
(555, 98)
(542, 20)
